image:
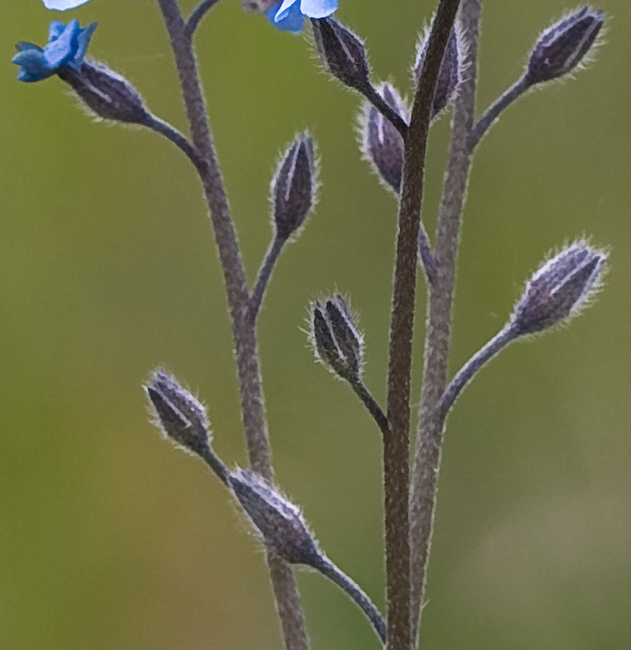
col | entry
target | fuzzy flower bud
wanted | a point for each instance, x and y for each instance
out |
(449, 74)
(105, 93)
(294, 187)
(342, 52)
(179, 414)
(381, 143)
(559, 289)
(278, 521)
(336, 341)
(563, 46)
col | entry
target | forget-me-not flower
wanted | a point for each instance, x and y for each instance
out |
(67, 45)
(289, 14)
(62, 5)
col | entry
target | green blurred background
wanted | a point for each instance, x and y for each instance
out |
(112, 539)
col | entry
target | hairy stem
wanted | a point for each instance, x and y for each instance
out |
(178, 139)
(355, 592)
(493, 112)
(197, 14)
(371, 404)
(397, 442)
(385, 109)
(441, 290)
(244, 333)
(473, 366)
(264, 276)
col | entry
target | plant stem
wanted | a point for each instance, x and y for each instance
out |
(244, 333)
(371, 404)
(355, 592)
(196, 16)
(473, 366)
(178, 139)
(429, 439)
(385, 109)
(264, 276)
(493, 112)
(396, 444)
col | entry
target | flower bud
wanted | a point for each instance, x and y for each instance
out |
(559, 289)
(449, 74)
(337, 342)
(563, 46)
(382, 145)
(294, 187)
(278, 521)
(179, 414)
(342, 52)
(108, 95)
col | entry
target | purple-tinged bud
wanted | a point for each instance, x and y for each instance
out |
(279, 522)
(342, 52)
(563, 46)
(105, 93)
(336, 341)
(294, 187)
(382, 145)
(559, 289)
(449, 74)
(258, 6)
(179, 415)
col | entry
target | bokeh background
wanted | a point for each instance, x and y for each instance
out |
(110, 538)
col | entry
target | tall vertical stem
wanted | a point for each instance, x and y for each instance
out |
(440, 296)
(396, 443)
(244, 332)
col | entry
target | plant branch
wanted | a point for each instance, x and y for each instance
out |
(396, 447)
(473, 366)
(429, 439)
(385, 109)
(196, 16)
(264, 276)
(178, 139)
(371, 404)
(493, 112)
(355, 592)
(244, 333)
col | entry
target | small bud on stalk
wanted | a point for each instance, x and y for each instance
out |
(449, 74)
(278, 521)
(179, 414)
(382, 143)
(559, 289)
(342, 52)
(107, 94)
(563, 46)
(337, 342)
(294, 187)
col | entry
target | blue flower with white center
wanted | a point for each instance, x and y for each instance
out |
(289, 15)
(67, 45)
(62, 5)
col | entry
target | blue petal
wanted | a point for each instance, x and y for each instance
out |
(318, 8)
(62, 5)
(33, 65)
(83, 40)
(55, 30)
(284, 9)
(62, 49)
(22, 46)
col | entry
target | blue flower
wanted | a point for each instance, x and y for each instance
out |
(289, 15)
(67, 45)
(62, 5)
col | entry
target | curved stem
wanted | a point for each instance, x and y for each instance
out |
(244, 332)
(385, 109)
(371, 404)
(493, 112)
(178, 139)
(355, 592)
(196, 16)
(429, 437)
(264, 276)
(397, 442)
(473, 366)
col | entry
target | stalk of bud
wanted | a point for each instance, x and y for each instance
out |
(381, 143)
(336, 341)
(107, 94)
(563, 46)
(559, 289)
(449, 74)
(293, 188)
(279, 522)
(342, 52)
